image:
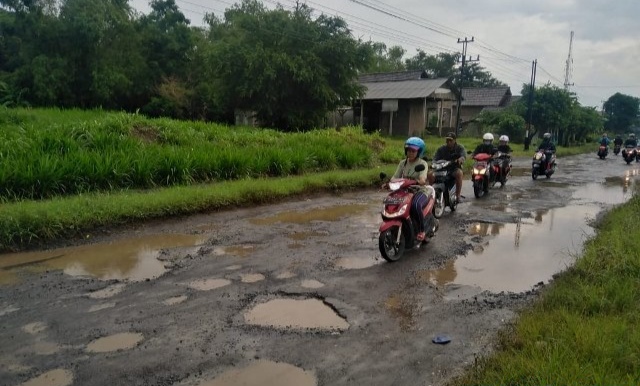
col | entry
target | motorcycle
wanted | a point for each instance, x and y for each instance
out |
(638, 154)
(482, 174)
(603, 151)
(541, 167)
(444, 186)
(629, 154)
(398, 230)
(501, 175)
(616, 149)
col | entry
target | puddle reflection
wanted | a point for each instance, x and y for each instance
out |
(130, 259)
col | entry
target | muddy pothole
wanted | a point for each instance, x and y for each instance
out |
(57, 377)
(264, 373)
(122, 341)
(297, 314)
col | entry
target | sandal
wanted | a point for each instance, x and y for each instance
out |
(420, 236)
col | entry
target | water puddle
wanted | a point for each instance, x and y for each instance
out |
(58, 377)
(301, 236)
(403, 309)
(208, 284)
(251, 277)
(285, 275)
(34, 328)
(333, 213)
(296, 314)
(264, 373)
(175, 300)
(107, 292)
(129, 259)
(518, 256)
(122, 341)
(235, 250)
(357, 262)
(615, 191)
(100, 307)
(311, 284)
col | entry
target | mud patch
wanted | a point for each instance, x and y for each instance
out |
(264, 373)
(333, 213)
(208, 284)
(295, 314)
(58, 377)
(404, 309)
(122, 341)
(34, 328)
(175, 300)
(100, 307)
(285, 275)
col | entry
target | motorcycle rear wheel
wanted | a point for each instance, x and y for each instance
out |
(389, 250)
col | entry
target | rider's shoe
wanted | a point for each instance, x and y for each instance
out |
(420, 236)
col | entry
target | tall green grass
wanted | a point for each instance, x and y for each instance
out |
(47, 153)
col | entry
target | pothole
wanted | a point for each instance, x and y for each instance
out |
(57, 377)
(122, 341)
(175, 300)
(34, 328)
(333, 213)
(208, 284)
(356, 262)
(46, 348)
(264, 373)
(295, 314)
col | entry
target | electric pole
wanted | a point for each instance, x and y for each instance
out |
(568, 68)
(464, 60)
(527, 140)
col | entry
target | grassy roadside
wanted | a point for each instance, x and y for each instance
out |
(583, 330)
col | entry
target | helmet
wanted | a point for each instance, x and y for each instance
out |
(547, 136)
(417, 143)
(487, 137)
(504, 138)
(604, 135)
(632, 135)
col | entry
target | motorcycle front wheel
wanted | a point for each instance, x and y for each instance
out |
(478, 189)
(534, 174)
(438, 207)
(389, 249)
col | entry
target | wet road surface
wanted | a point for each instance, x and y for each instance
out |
(296, 294)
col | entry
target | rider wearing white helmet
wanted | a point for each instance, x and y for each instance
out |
(486, 146)
(504, 148)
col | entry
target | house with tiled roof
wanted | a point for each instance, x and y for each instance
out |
(404, 103)
(477, 99)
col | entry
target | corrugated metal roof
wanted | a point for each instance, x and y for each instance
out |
(485, 96)
(392, 76)
(408, 89)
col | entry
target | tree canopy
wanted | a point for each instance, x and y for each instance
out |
(621, 113)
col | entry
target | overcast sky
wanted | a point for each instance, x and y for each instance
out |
(508, 36)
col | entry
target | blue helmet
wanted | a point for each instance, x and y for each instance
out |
(416, 143)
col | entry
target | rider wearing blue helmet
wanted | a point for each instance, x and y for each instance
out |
(414, 149)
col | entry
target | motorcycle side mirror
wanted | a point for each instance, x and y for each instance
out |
(383, 175)
(419, 168)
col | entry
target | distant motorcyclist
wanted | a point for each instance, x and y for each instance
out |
(631, 141)
(617, 140)
(547, 147)
(604, 140)
(504, 148)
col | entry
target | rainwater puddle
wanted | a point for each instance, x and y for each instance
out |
(518, 256)
(122, 341)
(295, 314)
(130, 259)
(235, 250)
(208, 284)
(100, 307)
(615, 191)
(251, 277)
(357, 262)
(311, 284)
(34, 328)
(175, 300)
(58, 377)
(264, 373)
(333, 213)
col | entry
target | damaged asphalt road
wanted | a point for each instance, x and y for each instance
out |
(295, 291)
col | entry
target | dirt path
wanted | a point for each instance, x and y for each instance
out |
(296, 289)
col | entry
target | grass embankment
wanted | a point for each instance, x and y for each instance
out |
(64, 173)
(584, 328)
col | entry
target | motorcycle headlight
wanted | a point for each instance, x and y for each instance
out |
(479, 171)
(395, 185)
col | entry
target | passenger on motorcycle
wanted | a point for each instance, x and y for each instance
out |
(604, 140)
(631, 141)
(617, 140)
(414, 148)
(451, 151)
(547, 147)
(503, 147)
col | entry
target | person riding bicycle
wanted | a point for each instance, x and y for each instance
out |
(414, 149)
(451, 151)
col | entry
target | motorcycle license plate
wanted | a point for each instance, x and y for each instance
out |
(441, 173)
(393, 200)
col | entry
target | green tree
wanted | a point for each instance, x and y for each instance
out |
(621, 112)
(506, 122)
(379, 58)
(442, 65)
(550, 111)
(474, 75)
(285, 66)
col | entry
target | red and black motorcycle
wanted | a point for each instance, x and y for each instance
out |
(603, 151)
(398, 231)
(501, 168)
(482, 175)
(629, 154)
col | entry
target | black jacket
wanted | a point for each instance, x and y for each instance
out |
(617, 141)
(443, 153)
(504, 149)
(631, 142)
(547, 146)
(483, 148)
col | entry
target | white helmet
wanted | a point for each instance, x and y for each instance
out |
(487, 137)
(504, 138)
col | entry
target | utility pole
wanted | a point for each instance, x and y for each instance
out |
(527, 140)
(464, 60)
(568, 68)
